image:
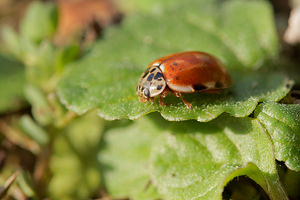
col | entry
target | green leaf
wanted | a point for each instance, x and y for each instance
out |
(46, 62)
(106, 79)
(10, 40)
(66, 55)
(26, 184)
(283, 124)
(12, 79)
(41, 65)
(74, 166)
(33, 130)
(41, 109)
(124, 158)
(39, 22)
(40, 59)
(196, 160)
(186, 160)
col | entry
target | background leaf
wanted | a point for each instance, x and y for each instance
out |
(39, 22)
(186, 160)
(12, 79)
(107, 77)
(283, 124)
(74, 166)
(124, 158)
(10, 41)
(196, 160)
(33, 130)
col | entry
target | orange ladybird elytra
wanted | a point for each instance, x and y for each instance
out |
(185, 72)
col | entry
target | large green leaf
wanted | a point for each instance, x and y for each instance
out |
(12, 79)
(186, 160)
(124, 158)
(196, 160)
(283, 124)
(106, 79)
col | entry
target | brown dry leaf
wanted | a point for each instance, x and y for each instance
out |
(11, 11)
(292, 34)
(9, 129)
(89, 16)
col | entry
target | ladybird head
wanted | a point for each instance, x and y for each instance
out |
(151, 84)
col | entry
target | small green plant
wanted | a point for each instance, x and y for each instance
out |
(150, 151)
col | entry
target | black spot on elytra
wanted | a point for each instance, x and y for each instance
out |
(159, 87)
(150, 77)
(158, 75)
(192, 60)
(218, 85)
(174, 63)
(199, 87)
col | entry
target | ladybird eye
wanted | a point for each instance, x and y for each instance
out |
(147, 93)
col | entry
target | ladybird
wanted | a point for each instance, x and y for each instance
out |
(184, 72)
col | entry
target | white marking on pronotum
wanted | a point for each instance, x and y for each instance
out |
(181, 88)
(162, 67)
(156, 64)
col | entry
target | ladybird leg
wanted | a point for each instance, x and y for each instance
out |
(188, 104)
(161, 102)
(177, 94)
(163, 95)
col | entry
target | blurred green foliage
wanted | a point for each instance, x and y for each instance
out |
(12, 80)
